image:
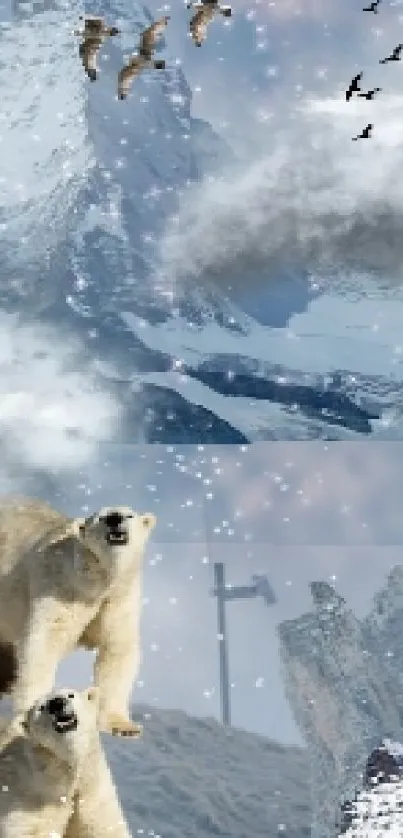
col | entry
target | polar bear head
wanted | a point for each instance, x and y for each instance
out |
(63, 723)
(117, 535)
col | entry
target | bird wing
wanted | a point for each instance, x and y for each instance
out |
(88, 53)
(126, 76)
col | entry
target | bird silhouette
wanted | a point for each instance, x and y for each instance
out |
(93, 35)
(394, 56)
(204, 12)
(370, 94)
(354, 86)
(365, 133)
(373, 7)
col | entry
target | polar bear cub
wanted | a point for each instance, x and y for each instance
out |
(66, 583)
(45, 762)
(41, 764)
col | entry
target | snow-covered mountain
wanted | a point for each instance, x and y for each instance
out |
(342, 681)
(88, 188)
(191, 777)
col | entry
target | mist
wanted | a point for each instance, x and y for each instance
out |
(53, 408)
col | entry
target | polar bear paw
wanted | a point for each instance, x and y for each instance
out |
(119, 725)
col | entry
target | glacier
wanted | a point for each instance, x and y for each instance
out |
(88, 189)
(342, 677)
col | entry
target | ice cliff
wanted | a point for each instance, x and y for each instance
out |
(342, 680)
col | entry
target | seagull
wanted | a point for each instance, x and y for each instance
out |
(204, 14)
(370, 94)
(354, 86)
(93, 35)
(365, 133)
(394, 56)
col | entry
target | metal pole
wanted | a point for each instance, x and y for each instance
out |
(219, 584)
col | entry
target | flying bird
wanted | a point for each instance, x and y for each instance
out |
(133, 68)
(354, 86)
(365, 133)
(394, 56)
(370, 94)
(150, 37)
(93, 35)
(205, 11)
(143, 60)
(373, 7)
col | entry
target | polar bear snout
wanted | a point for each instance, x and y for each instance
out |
(62, 712)
(117, 531)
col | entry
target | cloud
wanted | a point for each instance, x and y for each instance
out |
(305, 194)
(52, 408)
(316, 198)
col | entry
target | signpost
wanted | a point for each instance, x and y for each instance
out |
(259, 587)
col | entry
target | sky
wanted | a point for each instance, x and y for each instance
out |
(293, 511)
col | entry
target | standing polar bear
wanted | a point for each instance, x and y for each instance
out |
(45, 765)
(66, 583)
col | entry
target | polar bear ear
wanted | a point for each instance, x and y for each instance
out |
(148, 521)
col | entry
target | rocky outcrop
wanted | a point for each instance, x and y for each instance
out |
(342, 688)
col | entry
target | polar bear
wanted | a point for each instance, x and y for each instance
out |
(66, 583)
(45, 760)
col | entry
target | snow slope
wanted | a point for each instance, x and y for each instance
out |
(190, 777)
(378, 812)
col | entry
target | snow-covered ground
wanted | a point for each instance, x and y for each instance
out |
(378, 812)
(189, 777)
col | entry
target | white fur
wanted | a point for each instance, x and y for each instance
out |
(97, 812)
(40, 768)
(62, 585)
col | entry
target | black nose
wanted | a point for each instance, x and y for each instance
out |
(56, 705)
(114, 520)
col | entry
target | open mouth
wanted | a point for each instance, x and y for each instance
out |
(117, 537)
(65, 722)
